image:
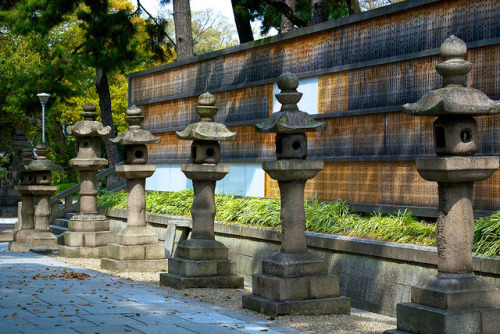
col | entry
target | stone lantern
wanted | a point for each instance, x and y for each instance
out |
(26, 219)
(293, 281)
(88, 234)
(201, 261)
(136, 247)
(41, 189)
(454, 301)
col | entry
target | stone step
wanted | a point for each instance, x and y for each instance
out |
(117, 186)
(61, 222)
(70, 214)
(57, 230)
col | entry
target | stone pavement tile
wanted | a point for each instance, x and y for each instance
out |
(209, 318)
(112, 320)
(61, 299)
(56, 310)
(131, 308)
(60, 322)
(23, 301)
(14, 313)
(168, 329)
(107, 329)
(50, 331)
(15, 325)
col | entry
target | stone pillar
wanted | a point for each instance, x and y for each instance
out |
(293, 280)
(27, 218)
(202, 262)
(42, 167)
(455, 300)
(136, 247)
(88, 234)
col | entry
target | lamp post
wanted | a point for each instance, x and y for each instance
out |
(44, 97)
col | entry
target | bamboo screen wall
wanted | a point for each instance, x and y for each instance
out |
(367, 66)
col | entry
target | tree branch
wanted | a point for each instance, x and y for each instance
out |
(290, 14)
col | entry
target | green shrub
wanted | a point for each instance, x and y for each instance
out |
(323, 217)
(63, 186)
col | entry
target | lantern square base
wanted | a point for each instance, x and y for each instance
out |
(16, 246)
(134, 265)
(415, 318)
(183, 282)
(336, 305)
(83, 252)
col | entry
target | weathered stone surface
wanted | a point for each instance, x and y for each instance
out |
(202, 249)
(414, 318)
(137, 252)
(136, 235)
(286, 265)
(203, 268)
(85, 252)
(337, 305)
(281, 289)
(152, 265)
(88, 239)
(452, 292)
(219, 282)
(88, 223)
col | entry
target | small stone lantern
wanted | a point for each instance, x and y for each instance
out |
(26, 219)
(454, 301)
(293, 281)
(136, 247)
(41, 189)
(202, 262)
(88, 234)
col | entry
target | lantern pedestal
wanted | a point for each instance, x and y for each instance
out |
(88, 232)
(294, 281)
(202, 262)
(42, 237)
(136, 247)
(454, 301)
(27, 218)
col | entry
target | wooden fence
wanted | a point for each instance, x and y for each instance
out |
(367, 66)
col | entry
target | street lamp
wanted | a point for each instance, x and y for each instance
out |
(44, 97)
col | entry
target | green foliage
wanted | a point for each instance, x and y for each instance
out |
(322, 217)
(63, 186)
(487, 235)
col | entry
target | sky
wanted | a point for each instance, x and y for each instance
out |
(222, 6)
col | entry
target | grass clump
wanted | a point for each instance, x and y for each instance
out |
(322, 217)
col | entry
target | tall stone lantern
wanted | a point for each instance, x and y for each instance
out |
(88, 234)
(136, 247)
(41, 189)
(455, 300)
(27, 225)
(201, 261)
(293, 281)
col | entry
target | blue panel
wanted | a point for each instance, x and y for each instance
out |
(309, 101)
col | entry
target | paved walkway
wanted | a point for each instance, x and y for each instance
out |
(39, 294)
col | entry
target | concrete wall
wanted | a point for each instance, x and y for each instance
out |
(376, 275)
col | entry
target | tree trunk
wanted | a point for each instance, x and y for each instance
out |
(319, 11)
(353, 6)
(183, 30)
(102, 88)
(286, 24)
(243, 26)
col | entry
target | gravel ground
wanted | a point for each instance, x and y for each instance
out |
(358, 322)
